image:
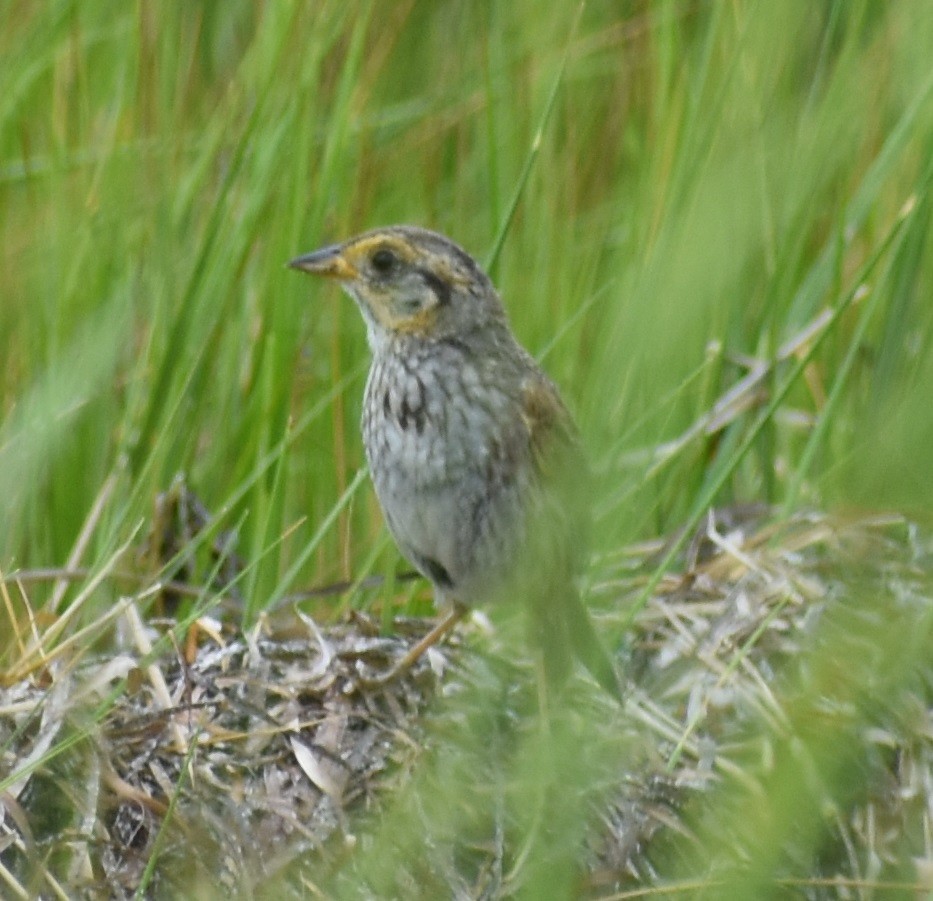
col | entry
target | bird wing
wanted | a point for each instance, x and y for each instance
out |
(557, 533)
(562, 475)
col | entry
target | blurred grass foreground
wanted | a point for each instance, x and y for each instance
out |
(710, 220)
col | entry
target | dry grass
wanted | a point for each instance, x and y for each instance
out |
(234, 761)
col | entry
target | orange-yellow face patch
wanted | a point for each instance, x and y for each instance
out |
(379, 299)
(363, 247)
(421, 323)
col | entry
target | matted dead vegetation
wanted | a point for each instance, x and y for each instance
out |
(232, 762)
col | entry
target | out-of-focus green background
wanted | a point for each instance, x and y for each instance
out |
(710, 178)
(687, 193)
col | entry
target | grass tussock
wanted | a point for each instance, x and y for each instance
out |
(750, 751)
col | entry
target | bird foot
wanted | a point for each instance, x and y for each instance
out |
(414, 653)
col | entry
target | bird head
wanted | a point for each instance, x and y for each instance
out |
(411, 282)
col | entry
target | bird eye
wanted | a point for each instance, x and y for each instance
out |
(383, 261)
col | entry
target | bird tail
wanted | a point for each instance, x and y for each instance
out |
(562, 630)
(588, 647)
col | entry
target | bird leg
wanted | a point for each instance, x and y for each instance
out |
(414, 653)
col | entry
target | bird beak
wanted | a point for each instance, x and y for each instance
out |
(328, 261)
